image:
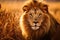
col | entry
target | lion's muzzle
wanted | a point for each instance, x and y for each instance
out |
(35, 27)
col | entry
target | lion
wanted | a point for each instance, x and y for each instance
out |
(36, 23)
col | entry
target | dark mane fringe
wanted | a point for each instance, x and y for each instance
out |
(52, 30)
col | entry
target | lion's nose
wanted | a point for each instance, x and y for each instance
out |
(35, 22)
(35, 19)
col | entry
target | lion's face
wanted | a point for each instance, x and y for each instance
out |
(35, 18)
(36, 13)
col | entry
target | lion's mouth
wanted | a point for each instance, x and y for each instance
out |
(35, 28)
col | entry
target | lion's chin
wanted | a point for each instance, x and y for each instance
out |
(35, 28)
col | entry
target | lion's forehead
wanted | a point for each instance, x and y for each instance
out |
(35, 12)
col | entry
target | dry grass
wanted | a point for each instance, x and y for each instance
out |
(9, 25)
(9, 21)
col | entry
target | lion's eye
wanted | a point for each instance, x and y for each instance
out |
(31, 15)
(40, 15)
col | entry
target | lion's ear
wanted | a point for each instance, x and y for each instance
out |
(25, 8)
(45, 8)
